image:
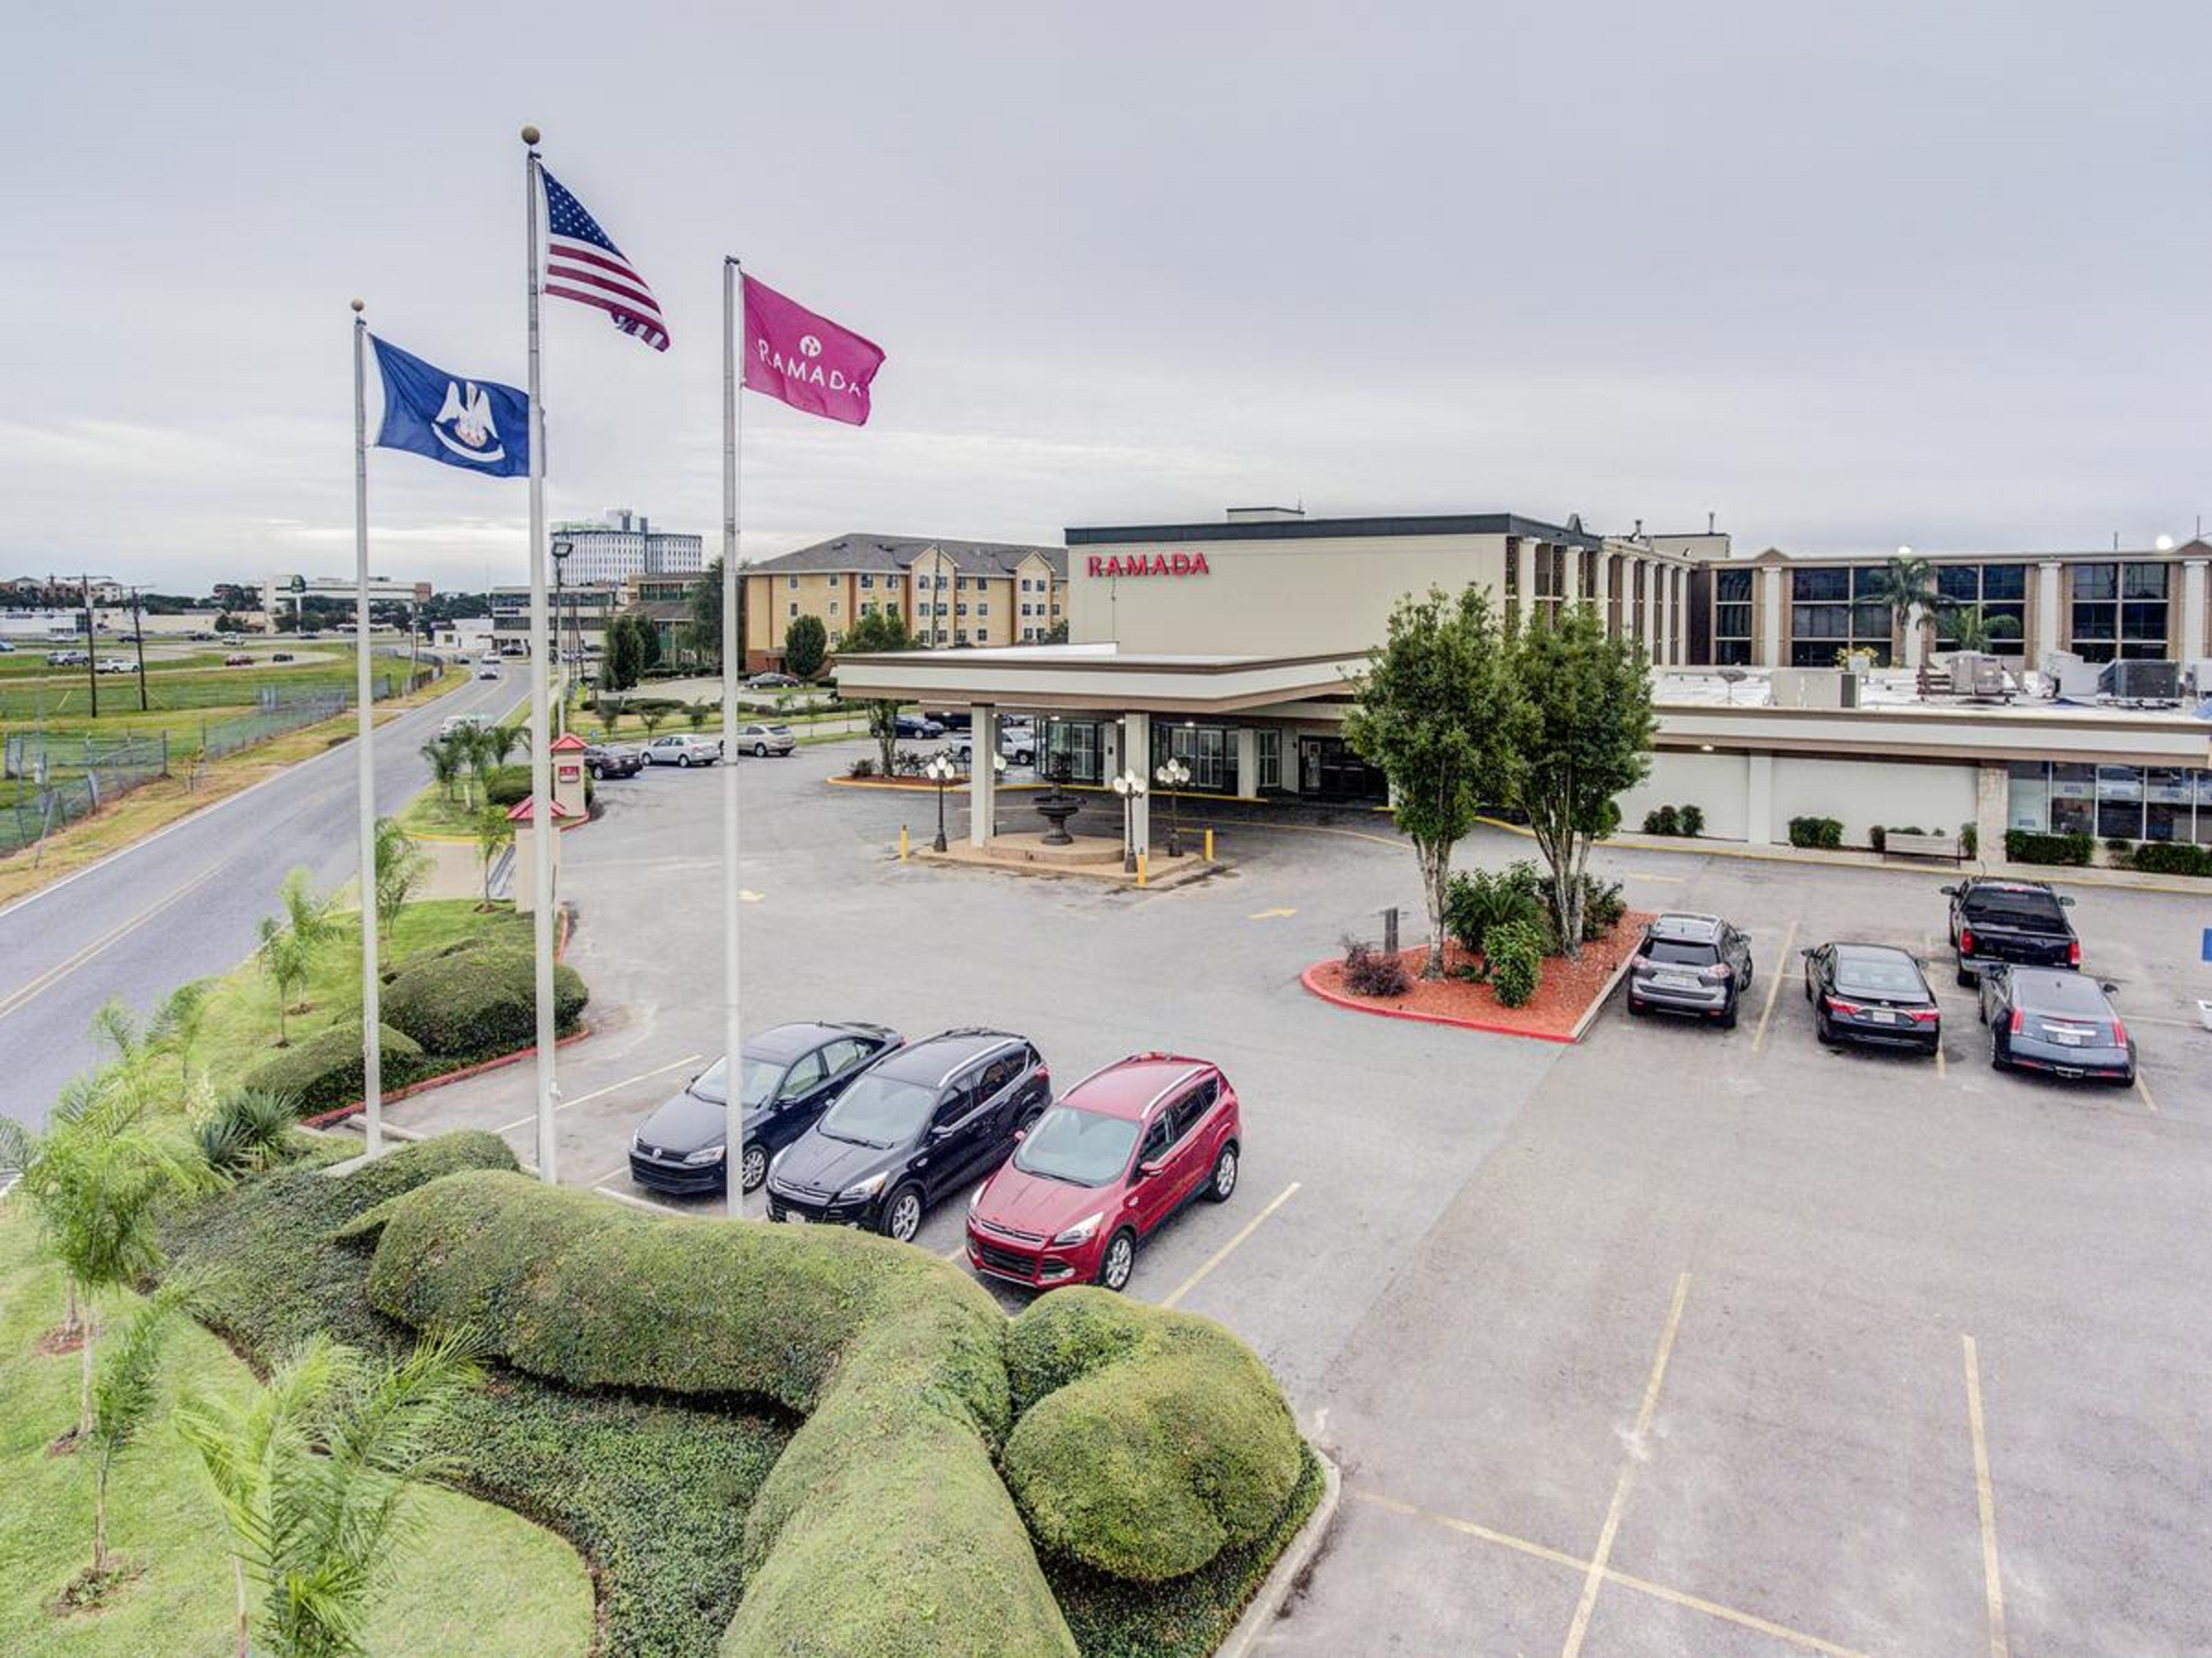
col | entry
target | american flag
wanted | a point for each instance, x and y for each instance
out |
(583, 264)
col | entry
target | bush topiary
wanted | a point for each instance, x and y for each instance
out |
(1826, 832)
(1479, 899)
(2031, 846)
(477, 997)
(1693, 822)
(1517, 963)
(510, 785)
(1147, 1442)
(324, 1070)
(2173, 857)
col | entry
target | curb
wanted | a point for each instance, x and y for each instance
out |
(338, 1114)
(1267, 1605)
(1605, 996)
(1352, 1004)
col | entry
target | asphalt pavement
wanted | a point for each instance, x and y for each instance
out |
(185, 901)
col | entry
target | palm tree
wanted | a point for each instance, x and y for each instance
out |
(289, 944)
(122, 1398)
(1904, 586)
(696, 712)
(1974, 629)
(502, 739)
(314, 1476)
(446, 760)
(178, 1025)
(651, 719)
(494, 830)
(400, 868)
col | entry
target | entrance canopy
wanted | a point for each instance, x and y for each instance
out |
(1094, 677)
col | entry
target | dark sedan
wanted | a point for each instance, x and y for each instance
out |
(1871, 993)
(613, 759)
(788, 1076)
(919, 725)
(2047, 1019)
(911, 1130)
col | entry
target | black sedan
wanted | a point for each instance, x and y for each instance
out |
(613, 759)
(919, 725)
(913, 1128)
(788, 1076)
(2047, 1019)
(1871, 993)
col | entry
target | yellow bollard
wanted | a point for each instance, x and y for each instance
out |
(1209, 846)
(1140, 868)
(901, 843)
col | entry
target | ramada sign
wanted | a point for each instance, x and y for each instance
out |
(1158, 563)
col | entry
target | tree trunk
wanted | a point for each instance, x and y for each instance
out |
(245, 1621)
(100, 1518)
(69, 1303)
(1436, 883)
(84, 1376)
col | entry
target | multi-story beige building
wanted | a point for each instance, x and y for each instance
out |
(949, 594)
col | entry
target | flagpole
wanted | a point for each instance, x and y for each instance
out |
(372, 1063)
(733, 1158)
(542, 828)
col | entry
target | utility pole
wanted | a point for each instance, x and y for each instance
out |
(91, 655)
(138, 631)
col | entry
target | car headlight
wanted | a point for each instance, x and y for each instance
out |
(1082, 1231)
(976, 1196)
(867, 1188)
(704, 1156)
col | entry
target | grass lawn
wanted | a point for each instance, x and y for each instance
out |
(478, 1579)
(431, 813)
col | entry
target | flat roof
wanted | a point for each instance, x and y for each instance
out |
(1282, 529)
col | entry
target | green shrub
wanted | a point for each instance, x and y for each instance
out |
(2172, 857)
(1970, 840)
(324, 1071)
(1517, 963)
(477, 998)
(1825, 833)
(1148, 1442)
(1479, 899)
(1662, 821)
(510, 785)
(1693, 822)
(2031, 846)
(1603, 905)
(1371, 971)
(249, 1129)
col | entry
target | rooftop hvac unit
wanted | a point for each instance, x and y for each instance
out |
(2071, 679)
(2141, 680)
(1976, 674)
(2200, 678)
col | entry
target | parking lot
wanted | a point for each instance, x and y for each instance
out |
(1676, 1341)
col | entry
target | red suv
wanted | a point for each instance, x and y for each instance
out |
(1113, 1158)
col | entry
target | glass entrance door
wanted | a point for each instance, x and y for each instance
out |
(1329, 771)
(1071, 749)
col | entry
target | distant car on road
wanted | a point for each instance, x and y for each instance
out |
(6, 649)
(772, 682)
(487, 670)
(66, 659)
(682, 748)
(913, 1128)
(1871, 993)
(761, 741)
(115, 664)
(919, 725)
(2021, 922)
(1690, 964)
(2054, 1020)
(454, 722)
(281, 656)
(786, 1077)
(1104, 1167)
(613, 759)
(238, 659)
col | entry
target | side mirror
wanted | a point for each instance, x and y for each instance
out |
(1948, 892)
(939, 1131)
(1149, 1171)
(1020, 1135)
(2109, 989)
(1806, 951)
(2064, 900)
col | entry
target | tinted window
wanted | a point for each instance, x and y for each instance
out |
(844, 1054)
(1877, 975)
(998, 1073)
(879, 1111)
(806, 1072)
(1194, 1105)
(1156, 1140)
(1082, 1146)
(1681, 953)
(2014, 908)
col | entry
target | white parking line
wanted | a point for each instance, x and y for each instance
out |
(635, 1203)
(611, 1087)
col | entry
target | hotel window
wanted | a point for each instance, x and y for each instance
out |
(940, 607)
(1834, 610)
(795, 582)
(833, 606)
(795, 607)
(867, 579)
(2119, 610)
(1998, 591)
(1512, 581)
(961, 608)
(1268, 741)
(1207, 750)
(1732, 618)
(982, 607)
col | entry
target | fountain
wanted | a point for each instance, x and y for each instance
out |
(1057, 805)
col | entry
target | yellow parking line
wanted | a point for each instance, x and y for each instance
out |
(1222, 1253)
(1671, 880)
(1774, 988)
(2143, 1089)
(1939, 1061)
(1276, 914)
(1729, 1614)
(1992, 1581)
(1595, 1578)
(1503, 1540)
(581, 1099)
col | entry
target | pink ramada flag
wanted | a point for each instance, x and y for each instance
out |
(806, 360)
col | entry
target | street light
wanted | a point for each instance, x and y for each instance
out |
(1130, 786)
(940, 771)
(1173, 776)
(561, 548)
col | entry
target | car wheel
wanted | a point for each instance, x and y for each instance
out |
(1635, 1008)
(684, 759)
(1119, 1261)
(1996, 1054)
(1223, 1182)
(599, 774)
(1728, 1017)
(902, 1215)
(755, 1167)
(760, 751)
(1822, 1029)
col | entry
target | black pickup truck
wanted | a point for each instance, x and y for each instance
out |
(2020, 922)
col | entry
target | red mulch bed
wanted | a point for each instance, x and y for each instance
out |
(1568, 989)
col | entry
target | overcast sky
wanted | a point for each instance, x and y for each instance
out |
(1847, 276)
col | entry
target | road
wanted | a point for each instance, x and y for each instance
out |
(185, 902)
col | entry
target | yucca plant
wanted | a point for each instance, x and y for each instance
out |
(248, 1131)
(315, 1475)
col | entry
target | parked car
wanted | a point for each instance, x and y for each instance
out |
(2054, 1019)
(6, 649)
(239, 658)
(115, 664)
(2021, 922)
(761, 741)
(66, 659)
(1871, 993)
(607, 761)
(1115, 1157)
(1695, 964)
(281, 656)
(1017, 747)
(911, 1129)
(682, 748)
(771, 682)
(919, 725)
(786, 1077)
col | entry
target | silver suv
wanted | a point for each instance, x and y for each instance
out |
(1690, 964)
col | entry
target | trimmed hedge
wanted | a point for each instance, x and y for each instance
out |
(324, 1070)
(2028, 846)
(2171, 858)
(1826, 834)
(510, 785)
(477, 997)
(1148, 1442)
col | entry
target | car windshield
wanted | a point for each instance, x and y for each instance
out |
(1877, 975)
(879, 1111)
(2014, 909)
(1083, 1147)
(1679, 953)
(759, 1077)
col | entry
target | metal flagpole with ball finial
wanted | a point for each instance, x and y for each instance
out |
(733, 1138)
(372, 1065)
(541, 826)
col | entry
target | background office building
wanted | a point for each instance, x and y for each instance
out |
(625, 545)
(950, 595)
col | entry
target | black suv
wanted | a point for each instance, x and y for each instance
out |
(1690, 964)
(2022, 923)
(911, 1128)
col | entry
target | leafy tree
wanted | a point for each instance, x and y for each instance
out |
(446, 760)
(806, 646)
(289, 943)
(611, 710)
(652, 719)
(876, 633)
(1902, 586)
(619, 665)
(1057, 633)
(1582, 711)
(648, 634)
(228, 622)
(315, 1476)
(401, 867)
(123, 1391)
(704, 633)
(696, 710)
(494, 830)
(1436, 711)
